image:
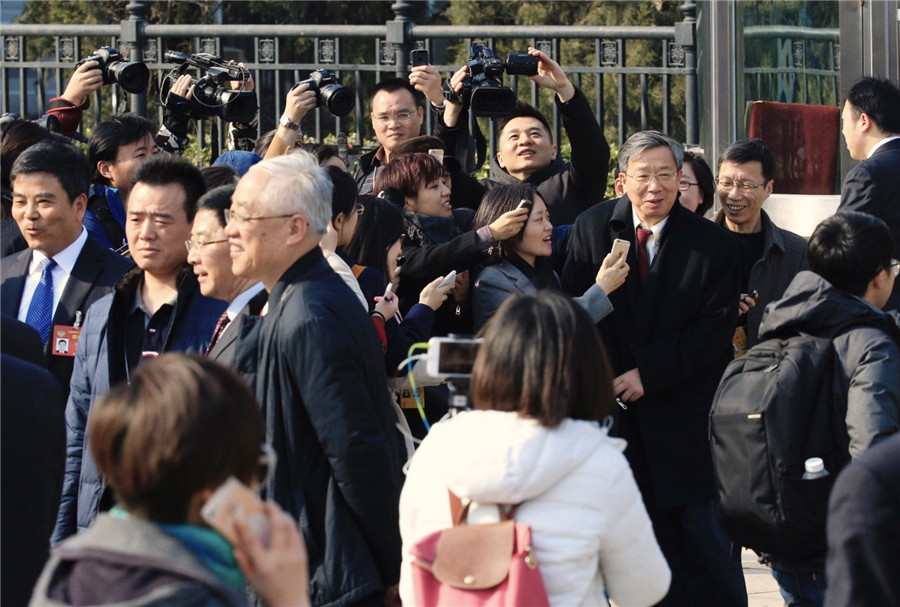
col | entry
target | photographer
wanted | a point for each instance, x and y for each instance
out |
(300, 100)
(526, 150)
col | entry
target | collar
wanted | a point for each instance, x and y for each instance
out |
(293, 274)
(138, 302)
(380, 156)
(880, 143)
(657, 229)
(65, 259)
(237, 304)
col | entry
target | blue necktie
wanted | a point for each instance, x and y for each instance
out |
(40, 312)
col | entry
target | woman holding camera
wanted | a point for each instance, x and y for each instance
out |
(437, 238)
(540, 385)
(154, 548)
(522, 264)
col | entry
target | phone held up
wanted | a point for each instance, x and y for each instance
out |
(419, 56)
(620, 249)
(233, 501)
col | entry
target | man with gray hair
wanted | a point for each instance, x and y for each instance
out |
(669, 340)
(315, 364)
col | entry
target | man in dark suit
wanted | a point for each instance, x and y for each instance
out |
(209, 253)
(50, 184)
(669, 340)
(871, 127)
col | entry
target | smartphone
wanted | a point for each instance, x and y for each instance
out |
(525, 204)
(754, 294)
(419, 56)
(387, 291)
(451, 357)
(235, 500)
(620, 249)
(448, 279)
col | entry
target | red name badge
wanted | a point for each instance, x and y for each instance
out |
(65, 340)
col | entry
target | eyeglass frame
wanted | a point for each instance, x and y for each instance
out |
(386, 119)
(644, 179)
(190, 244)
(894, 267)
(743, 186)
(688, 185)
(229, 214)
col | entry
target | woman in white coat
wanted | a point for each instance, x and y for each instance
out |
(540, 387)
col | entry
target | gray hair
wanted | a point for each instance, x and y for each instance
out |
(640, 142)
(298, 185)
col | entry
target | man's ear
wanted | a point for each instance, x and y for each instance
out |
(80, 205)
(500, 160)
(298, 229)
(555, 151)
(770, 186)
(103, 167)
(865, 122)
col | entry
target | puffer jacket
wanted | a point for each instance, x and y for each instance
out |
(99, 365)
(590, 530)
(867, 348)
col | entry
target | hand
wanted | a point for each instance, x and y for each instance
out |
(427, 80)
(550, 75)
(612, 274)
(628, 386)
(432, 296)
(509, 224)
(329, 241)
(280, 573)
(461, 286)
(453, 110)
(242, 85)
(86, 79)
(300, 100)
(183, 87)
(392, 596)
(747, 301)
(387, 306)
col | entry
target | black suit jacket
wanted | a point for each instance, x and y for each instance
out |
(873, 186)
(676, 329)
(94, 275)
(223, 350)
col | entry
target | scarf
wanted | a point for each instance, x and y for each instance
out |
(428, 229)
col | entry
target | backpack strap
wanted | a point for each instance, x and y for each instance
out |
(459, 511)
(99, 206)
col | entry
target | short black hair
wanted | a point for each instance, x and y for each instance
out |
(750, 150)
(62, 160)
(164, 169)
(16, 136)
(849, 249)
(705, 180)
(218, 175)
(879, 98)
(216, 200)
(523, 110)
(497, 201)
(343, 196)
(392, 85)
(109, 136)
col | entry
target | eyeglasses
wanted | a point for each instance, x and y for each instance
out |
(400, 117)
(238, 218)
(199, 245)
(744, 186)
(268, 459)
(684, 186)
(894, 267)
(359, 208)
(644, 178)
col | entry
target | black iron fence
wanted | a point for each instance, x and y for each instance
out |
(655, 88)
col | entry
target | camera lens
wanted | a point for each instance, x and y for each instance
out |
(130, 75)
(337, 99)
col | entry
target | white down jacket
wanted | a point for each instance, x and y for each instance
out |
(591, 533)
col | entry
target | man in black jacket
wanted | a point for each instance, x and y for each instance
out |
(526, 151)
(315, 364)
(871, 127)
(669, 340)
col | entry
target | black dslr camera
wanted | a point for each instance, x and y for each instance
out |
(212, 96)
(483, 89)
(130, 75)
(330, 93)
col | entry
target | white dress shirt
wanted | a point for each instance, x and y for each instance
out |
(65, 263)
(653, 240)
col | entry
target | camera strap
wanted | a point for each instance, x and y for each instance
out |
(99, 206)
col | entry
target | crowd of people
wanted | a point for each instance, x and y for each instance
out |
(166, 327)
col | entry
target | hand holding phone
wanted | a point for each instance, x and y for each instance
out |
(525, 204)
(233, 501)
(449, 279)
(419, 56)
(620, 249)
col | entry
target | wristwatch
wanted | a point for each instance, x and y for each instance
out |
(286, 123)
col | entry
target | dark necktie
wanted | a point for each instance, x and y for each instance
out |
(40, 311)
(643, 256)
(217, 332)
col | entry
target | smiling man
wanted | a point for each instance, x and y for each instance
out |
(210, 255)
(316, 365)
(156, 307)
(51, 284)
(768, 256)
(668, 340)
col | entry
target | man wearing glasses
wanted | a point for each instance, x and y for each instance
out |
(851, 278)
(669, 340)
(768, 256)
(155, 308)
(315, 363)
(397, 116)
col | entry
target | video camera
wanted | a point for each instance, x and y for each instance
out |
(330, 93)
(482, 88)
(132, 76)
(212, 96)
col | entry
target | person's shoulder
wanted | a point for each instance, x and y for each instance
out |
(96, 253)
(498, 273)
(11, 261)
(600, 212)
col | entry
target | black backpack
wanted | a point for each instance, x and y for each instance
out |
(776, 406)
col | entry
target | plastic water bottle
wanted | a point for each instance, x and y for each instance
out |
(815, 468)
